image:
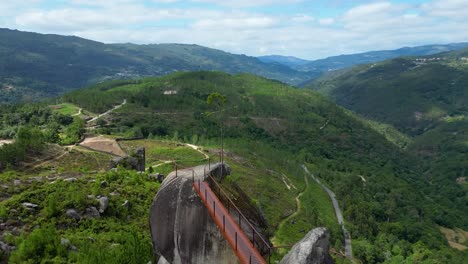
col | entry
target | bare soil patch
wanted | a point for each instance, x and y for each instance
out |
(457, 238)
(103, 144)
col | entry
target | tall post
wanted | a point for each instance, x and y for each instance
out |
(236, 241)
(253, 237)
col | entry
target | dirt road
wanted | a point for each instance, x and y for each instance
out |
(339, 215)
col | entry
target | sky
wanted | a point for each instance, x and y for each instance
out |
(307, 29)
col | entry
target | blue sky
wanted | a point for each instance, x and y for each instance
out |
(306, 29)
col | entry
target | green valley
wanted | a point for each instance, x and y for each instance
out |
(268, 130)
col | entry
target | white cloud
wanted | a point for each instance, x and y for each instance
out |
(372, 26)
(247, 23)
(302, 18)
(247, 3)
(326, 21)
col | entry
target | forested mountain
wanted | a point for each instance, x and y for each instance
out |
(385, 193)
(414, 94)
(391, 207)
(289, 61)
(426, 99)
(33, 66)
(344, 61)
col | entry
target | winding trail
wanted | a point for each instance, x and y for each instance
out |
(198, 148)
(298, 206)
(339, 215)
(108, 112)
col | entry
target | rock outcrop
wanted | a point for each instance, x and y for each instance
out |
(181, 228)
(312, 249)
(136, 160)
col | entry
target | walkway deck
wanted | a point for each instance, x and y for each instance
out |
(231, 231)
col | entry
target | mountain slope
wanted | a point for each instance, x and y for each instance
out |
(426, 98)
(289, 61)
(34, 65)
(413, 94)
(344, 61)
(340, 149)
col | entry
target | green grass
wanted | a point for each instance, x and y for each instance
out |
(116, 226)
(158, 151)
(316, 210)
(66, 109)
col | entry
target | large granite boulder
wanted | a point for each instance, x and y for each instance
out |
(312, 249)
(136, 160)
(181, 228)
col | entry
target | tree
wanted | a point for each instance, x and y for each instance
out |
(217, 101)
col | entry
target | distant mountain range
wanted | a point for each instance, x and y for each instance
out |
(34, 66)
(344, 61)
(289, 61)
(414, 94)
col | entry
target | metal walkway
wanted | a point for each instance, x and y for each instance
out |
(237, 239)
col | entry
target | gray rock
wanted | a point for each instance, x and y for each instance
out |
(72, 213)
(17, 182)
(92, 212)
(64, 242)
(30, 205)
(5, 248)
(103, 204)
(312, 249)
(72, 179)
(182, 230)
(104, 184)
(157, 177)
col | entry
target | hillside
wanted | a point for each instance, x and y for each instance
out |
(35, 66)
(425, 99)
(414, 94)
(268, 130)
(344, 61)
(339, 148)
(289, 61)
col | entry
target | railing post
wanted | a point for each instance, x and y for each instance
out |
(214, 208)
(206, 196)
(193, 176)
(224, 223)
(269, 255)
(253, 237)
(209, 163)
(236, 241)
(199, 185)
(240, 225)
(250, 259)
(175, 169)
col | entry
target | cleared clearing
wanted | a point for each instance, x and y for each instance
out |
(103, 144)
(457, 238)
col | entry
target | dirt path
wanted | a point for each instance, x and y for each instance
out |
(108, 112)
(198, 148)
(6, 141)
(298, 208)
(44, 161)
(339, 215)
(79, 112)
